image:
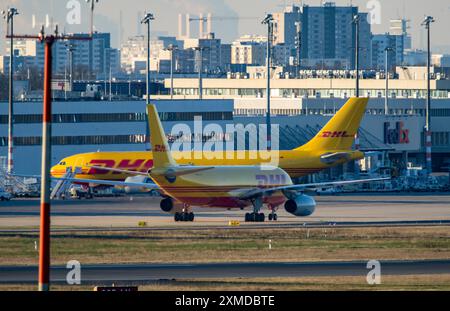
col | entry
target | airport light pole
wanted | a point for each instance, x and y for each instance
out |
(147, 20)
(428, 142)
(91, 47)
(355, 21)
(44, 233)
(70, 49)
(171, 48)
(92, 2)
(9, 16)
(298, 42)
(44, 250)
(200, 50)
(268, 20)
(386, 100)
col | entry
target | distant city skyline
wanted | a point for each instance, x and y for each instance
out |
(107, 17)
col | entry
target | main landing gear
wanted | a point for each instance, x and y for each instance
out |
(256, 216)
(185, 215)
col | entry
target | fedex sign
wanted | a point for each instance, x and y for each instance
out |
(397, 135)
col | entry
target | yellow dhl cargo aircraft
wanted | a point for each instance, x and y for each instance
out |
(330, 147)
(238, 186)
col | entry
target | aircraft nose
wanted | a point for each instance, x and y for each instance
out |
(53, 170)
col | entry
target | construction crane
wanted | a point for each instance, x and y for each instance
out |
(208, 21)
(220, 18)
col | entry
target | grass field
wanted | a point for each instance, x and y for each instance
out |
(388, 283)
(233, 245)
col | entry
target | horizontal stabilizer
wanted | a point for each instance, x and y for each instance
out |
(331, 158)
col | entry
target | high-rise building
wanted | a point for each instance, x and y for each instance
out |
(249, 50)
(214, 59)
(379, 45)
(20, 63)
(399, 27)
(281, 54)
(134, 52)
(285, 30)
(329, 35)
(99, 59)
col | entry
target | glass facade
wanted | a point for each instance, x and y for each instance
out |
(117, 117)
(77, 140)
(325, 93)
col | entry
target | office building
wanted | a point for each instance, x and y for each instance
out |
(285, 30)
(379, 45)
(399, 27)
(328, 34)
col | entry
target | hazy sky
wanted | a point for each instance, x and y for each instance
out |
(107, 15)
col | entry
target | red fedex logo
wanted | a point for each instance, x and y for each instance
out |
(335, 134)
(397, 135)
(139, 165)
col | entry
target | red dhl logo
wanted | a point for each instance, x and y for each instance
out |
(335, 134)
(159, 148)
(139, 165)
(271, 180)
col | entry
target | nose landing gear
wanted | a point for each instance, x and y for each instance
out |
(185, 215)
(273, 215)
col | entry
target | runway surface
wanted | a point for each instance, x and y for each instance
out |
(152, 272)
(127, 212)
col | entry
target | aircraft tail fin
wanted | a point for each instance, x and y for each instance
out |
(340, 131)
(160, 148)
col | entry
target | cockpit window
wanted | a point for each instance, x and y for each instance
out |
(62, 163)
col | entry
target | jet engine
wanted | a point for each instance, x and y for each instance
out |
(301, 205)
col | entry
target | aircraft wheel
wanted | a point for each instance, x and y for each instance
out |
(275, 217)
(177, 216)
(191, 217)
(247, 217)
(185, 216)
(261, 217)
(270, 217)
(254, 217)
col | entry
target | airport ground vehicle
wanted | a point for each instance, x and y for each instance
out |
(5, 196)
(79, 192)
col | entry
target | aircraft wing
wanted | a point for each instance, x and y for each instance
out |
(331, 158)
(110, 182)
(304, 187)
(24, 175)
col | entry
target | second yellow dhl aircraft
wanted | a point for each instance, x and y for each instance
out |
(239, 186)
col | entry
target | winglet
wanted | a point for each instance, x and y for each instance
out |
(160, 148)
